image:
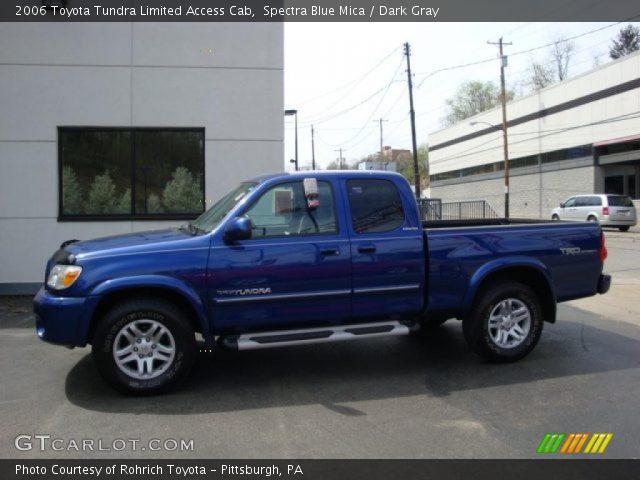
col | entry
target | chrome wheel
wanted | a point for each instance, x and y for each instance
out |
(144, 349)
(509, 323)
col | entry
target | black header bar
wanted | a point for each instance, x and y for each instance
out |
(316, 11)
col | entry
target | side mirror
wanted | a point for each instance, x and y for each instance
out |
(561, 204)
(310, 186)
(238, 229)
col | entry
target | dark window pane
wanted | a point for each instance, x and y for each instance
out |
(614, 184)
(101, 169)
(96, 172)
(619, 201)
(169, 176)
(375, 206)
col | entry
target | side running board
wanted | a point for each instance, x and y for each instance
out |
(282, 338)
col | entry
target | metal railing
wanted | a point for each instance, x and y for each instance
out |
(435, 209)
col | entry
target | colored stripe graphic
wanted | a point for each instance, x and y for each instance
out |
(574, 443)
(550, 443)
(577, 443)
(598, 443)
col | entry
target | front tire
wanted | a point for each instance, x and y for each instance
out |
(143, 346)
(506, 322)
(555, 217)
(624, 229)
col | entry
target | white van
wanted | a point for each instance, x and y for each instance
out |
(608, 210)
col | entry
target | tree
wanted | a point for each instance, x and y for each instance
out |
(472, 98)
(102, 195)
(628, 41)
(561, 53)
(154, 204)
(71, 192)
(124, 204)
(541, 76)
(405, 166)
(183, 193)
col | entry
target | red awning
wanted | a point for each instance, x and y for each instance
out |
(630, 138)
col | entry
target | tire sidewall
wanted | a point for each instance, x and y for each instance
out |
(104, 343)
(525, 295)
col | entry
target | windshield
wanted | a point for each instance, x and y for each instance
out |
(212, 217)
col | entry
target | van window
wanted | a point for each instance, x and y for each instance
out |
(375, 206)
(619, 201)
(589, 201)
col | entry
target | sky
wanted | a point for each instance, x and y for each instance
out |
(343, 77)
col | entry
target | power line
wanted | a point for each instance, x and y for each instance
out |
(349, 141)
(356, 80)
(521, 52)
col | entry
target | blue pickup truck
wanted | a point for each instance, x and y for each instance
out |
(311, 257)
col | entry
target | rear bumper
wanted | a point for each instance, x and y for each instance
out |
(604, 283)
(618, 222)
(63, 320)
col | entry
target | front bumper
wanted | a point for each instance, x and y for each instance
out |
(63, 320)
(604, 283)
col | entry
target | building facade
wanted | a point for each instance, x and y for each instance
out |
(579, 136)
(109, 128)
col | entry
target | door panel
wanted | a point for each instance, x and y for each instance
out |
(270, 284)
(294, 270)
(387, 254)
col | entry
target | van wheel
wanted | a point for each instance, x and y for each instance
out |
(506, 322)
(592, 219)
(144, 346)
(624, 229)
(555, 217)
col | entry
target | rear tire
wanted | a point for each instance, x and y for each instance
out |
(592, 219)
(624, 229)
(144, 346)
(506, 322)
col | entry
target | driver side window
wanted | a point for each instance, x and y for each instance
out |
(282, 211)
(570, 203)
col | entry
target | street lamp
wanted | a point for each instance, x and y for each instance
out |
(295, 114)
(506, 164)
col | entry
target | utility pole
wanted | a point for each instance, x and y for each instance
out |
(380, 120)
(313, 151)
(412, 114)
(505, 143)
(340, 158)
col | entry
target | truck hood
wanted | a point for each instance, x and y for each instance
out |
(138, 242)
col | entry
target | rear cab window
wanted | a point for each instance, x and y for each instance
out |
(375, 205)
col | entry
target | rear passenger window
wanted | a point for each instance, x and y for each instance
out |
(375, 206)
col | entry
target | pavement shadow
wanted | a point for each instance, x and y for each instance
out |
(333, 374)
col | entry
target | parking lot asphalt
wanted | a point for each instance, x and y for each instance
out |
(398, 397)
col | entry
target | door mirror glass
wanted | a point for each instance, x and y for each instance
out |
(238, 229)
(310, 186)
(561, 204)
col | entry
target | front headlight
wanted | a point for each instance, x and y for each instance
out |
(63, 276)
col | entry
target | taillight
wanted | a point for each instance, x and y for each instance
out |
(603, 248)
(605, 210)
